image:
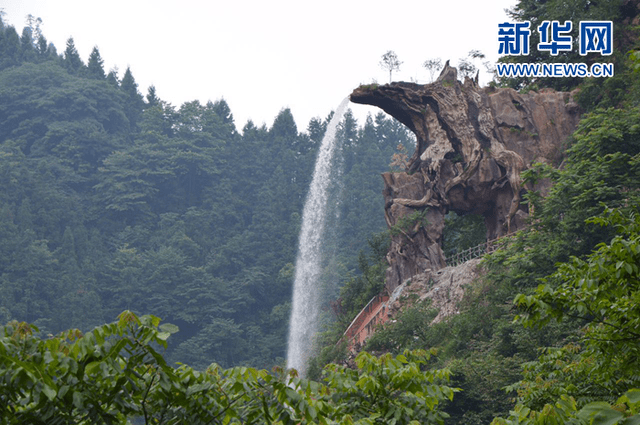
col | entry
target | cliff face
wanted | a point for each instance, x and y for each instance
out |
(472, 145)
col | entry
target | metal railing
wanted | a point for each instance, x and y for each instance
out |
(478, 251)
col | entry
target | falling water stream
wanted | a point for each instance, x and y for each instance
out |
(306, 288)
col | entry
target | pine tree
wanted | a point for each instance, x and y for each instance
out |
(42, 48)
(9, 48)
(152, 97)
(112, 77)
(52, 52)
(33, 24)
(316, 129)
(27, 50)
(72, 61)
(134, 103)
(283, 132)
(95, 66)
(221, 108)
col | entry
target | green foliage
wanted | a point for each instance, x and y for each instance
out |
(601, 168)
(116, 373)
(634, 56)
(95, 65)
(357, 291)
(483, 374)
(409, 224)
(389, 390)
(480, 346)
(372, 86)
(626, 410)
(602, 291)
(462, 232)
(72, 61)
(410, 330)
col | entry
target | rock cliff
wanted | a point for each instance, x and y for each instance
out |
(472, 145)
(444, 288)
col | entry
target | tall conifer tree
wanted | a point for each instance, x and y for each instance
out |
(42, 48)
(9, 48)
(27, 50)
(112, 77)
(152, 97)
(134, 103)
(95, 66)
(72, 61)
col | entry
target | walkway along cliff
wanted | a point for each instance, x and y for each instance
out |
(472, 145)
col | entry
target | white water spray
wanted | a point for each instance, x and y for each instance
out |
(306, 288)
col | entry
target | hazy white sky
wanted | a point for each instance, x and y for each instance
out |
(262, 56)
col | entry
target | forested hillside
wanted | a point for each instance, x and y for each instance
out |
(110, 201)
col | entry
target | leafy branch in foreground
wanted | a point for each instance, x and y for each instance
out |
(115, 374)
(389, 390)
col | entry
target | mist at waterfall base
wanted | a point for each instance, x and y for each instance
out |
(303, 323)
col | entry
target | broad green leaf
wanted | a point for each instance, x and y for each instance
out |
(632, 396)
(49, 392)
(78, 400)
(163, 335)
(633, 420)
(607, 417)
(169, 327)
(92, 367)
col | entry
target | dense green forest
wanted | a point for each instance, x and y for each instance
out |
(110, 201)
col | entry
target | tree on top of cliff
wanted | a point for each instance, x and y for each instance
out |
(433, 66)
(390, 62)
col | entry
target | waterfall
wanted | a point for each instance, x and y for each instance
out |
(306, 288)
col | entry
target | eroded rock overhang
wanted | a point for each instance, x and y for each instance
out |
(472, 144)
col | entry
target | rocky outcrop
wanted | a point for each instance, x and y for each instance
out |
(472, 145)
(444, 289)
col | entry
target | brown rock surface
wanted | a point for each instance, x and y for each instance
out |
(444, 288)
(472, 145)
